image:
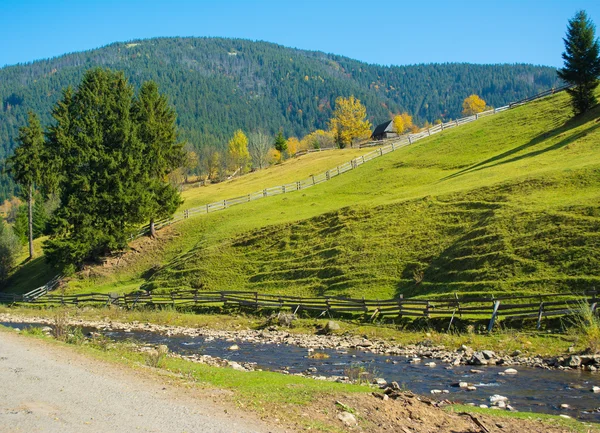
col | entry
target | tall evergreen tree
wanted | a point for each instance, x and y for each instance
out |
(27, 165)
(96, 146)
(582, 62)
(161, 152)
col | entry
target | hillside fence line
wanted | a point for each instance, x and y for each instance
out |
(487, 308)
(393, 144)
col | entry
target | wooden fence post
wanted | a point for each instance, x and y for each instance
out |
(327, 175)
(256, 300)
(428, 132)
(442, 125)
(409, 140)
(458, 304)
(400, 305)
(313, 178)
(494, 315)
(264, 192)
(540, 315)
(207, 208)
(283, 188)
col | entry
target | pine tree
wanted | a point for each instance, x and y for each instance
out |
(27, 165)
(161, 152)
(582, 62)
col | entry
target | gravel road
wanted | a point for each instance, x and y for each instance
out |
(45, 388)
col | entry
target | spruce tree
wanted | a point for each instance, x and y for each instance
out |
(280, 142)
(95, 145)
(27, 165)
(162, 153)
(582, 62)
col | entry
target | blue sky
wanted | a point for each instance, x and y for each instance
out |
(397, 32)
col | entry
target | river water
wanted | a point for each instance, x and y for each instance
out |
(531, 390)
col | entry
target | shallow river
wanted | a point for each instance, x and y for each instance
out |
(531, 390)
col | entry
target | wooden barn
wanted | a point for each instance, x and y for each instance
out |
(384, 130)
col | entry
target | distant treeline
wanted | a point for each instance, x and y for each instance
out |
(220, 85)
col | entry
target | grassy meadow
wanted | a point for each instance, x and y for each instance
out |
(507, 204)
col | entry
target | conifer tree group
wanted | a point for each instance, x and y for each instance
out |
(107, 155)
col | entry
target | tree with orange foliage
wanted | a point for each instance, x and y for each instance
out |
(473, 105)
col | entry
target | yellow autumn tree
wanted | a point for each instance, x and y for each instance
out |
(237, 152)
(473, 105)
(349, 121)
(293, 145)
(403, 122)
(318, 139)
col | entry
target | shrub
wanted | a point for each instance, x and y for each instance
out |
(155, 357)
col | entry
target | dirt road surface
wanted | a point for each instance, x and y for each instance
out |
(44, 388)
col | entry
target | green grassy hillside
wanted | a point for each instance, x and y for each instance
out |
(510, 203)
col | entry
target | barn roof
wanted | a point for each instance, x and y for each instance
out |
(384, 127)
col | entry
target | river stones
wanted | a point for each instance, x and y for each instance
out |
(488, 354)
(478, 358)
(574, 361)
(430, 364)
(596, 389)
(510, 371)
(233, 347)
(494, 399)
(330, 327)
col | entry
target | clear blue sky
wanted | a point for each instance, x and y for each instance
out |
(396, 32)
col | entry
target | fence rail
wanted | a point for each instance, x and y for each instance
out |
(488, 308)
(387, 147)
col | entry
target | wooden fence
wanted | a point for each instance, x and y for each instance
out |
(487, 308)
(390, 146)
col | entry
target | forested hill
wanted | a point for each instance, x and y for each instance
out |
(219, 85)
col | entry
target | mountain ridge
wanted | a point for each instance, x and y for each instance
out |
(218, 85)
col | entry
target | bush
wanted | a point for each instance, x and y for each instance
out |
(10, 247)
(155, 357)
(586, 328)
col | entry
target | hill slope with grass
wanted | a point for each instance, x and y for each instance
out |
(507, 204)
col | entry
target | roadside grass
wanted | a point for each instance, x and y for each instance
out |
(552, 420)
(273, 396)
(502, 341)
(505, 205)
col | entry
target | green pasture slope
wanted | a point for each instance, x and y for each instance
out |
(507, 204)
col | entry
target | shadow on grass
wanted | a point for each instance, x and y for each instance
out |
(569, 125)
(30, 275)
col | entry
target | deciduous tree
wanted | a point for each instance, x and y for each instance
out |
(403, 122)
(349, 121)
(9, 250)
(473, 105)
(582, 62)
(237, 151)
(259, 145)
